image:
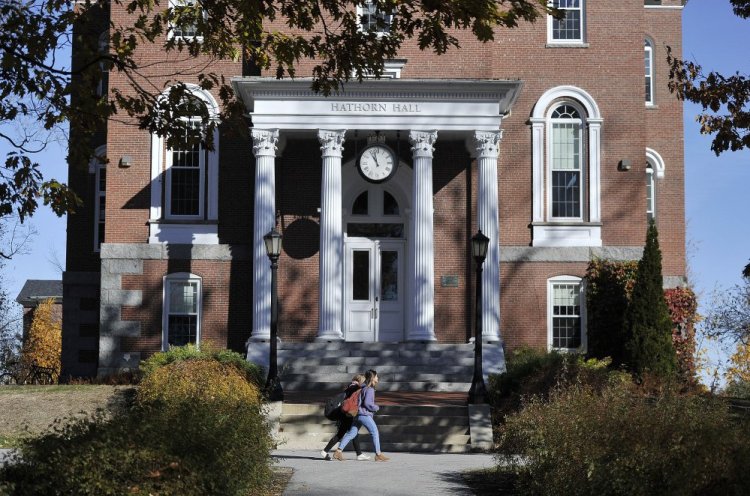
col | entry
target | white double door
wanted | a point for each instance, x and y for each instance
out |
(374, 291)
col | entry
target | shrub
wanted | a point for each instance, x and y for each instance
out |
(179, 439)
(251, 371)
(531, 372)
(197, 380)
(618, 442)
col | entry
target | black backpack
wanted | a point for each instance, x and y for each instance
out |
(332, 408)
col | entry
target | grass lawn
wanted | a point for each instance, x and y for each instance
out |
(30, 410)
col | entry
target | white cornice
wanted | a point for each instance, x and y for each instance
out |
(443, 104)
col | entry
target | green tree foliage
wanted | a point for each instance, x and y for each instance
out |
(37, 85)
(647, 325)
(724, 98)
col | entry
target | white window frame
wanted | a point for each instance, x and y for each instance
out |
(102, 85)
(648, 62)
(100, 202)
(173, 4)
(551, 40)
(560, 280)
(545, 231)
(169, 168)
(161, 227)
(181, 278)
(650, 193)
(581, 169)
(361, 13)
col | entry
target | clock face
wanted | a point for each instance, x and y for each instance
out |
(377, 163)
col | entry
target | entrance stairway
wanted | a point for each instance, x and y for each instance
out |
(422, 395)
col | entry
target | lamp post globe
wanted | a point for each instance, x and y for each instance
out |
(273, 389)
(478, 390)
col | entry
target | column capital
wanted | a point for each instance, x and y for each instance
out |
(264, 142)
(486, 143)
(331, 142)
(422, 142)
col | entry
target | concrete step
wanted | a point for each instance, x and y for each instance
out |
(390, 410)
(381, 354)
(403, 431)
(385, 377)
(302, 384)
(341, 345)
(309, 363)
(383, 370)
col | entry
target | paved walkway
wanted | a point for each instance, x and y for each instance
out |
(406, 474)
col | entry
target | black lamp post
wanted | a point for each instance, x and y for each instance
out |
(478, 391)
(273, 389)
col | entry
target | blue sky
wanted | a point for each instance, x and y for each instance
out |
(717, 188)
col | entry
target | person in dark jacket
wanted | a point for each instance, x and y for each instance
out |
(367, 409)
(344, 423)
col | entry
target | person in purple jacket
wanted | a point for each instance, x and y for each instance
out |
(367, 409)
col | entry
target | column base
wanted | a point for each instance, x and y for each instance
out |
(426, 338)
(329, 336)
(259, 352)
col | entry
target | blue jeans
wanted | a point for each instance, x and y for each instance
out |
(369, 424)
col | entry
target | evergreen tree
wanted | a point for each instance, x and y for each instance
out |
(647, 324)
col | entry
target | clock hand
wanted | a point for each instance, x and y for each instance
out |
(375, 157)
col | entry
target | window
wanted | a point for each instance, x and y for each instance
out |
(565, 162)
(182, 310)
(650, 193)
(566, 131)
(100, 197)
(103, 82)
(565, 310)
(186, 176)
(649, 68)
(390, 205)
(370, 19)
(569, 29)
(360, 205)
(183, 11)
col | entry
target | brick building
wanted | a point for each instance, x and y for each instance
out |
(542, 139)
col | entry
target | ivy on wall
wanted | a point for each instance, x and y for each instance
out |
(609, 285)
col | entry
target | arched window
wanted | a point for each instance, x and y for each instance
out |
(185, 176)
(566, 143)
(185, 166)
(566, 314)
(565, 169)
(182, 310)
(390, 205)
(360, 205)
(648, 56)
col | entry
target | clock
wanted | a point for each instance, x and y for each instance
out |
(377, 163)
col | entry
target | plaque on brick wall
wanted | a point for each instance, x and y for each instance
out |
(449, 281)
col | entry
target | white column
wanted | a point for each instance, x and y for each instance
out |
(331, 237)
(537, 154)
(421, 232)
(487, 150)
(595, 210)
(264, 149)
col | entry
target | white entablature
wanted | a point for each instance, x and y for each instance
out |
(393, 104)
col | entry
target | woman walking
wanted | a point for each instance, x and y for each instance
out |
(367, 409)
(345, 422)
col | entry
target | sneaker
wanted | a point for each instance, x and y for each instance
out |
(338, 455)
(363, 457)
(324, 454)
(380, 457)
